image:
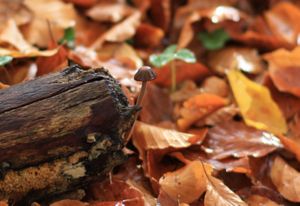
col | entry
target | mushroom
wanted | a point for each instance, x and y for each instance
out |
(144, 74)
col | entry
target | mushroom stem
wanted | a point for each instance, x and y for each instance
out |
(142, 93)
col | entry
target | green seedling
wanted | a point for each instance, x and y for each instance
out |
(214, 40)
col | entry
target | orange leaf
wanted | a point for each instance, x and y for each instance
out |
(198, 107)
(290, 145)
(69, 203)
(3, 86)
(186, 184)
(148, 35)
(284, 69)
(286, 179)
(184, 71)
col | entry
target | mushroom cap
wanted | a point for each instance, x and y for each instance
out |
(145, 73)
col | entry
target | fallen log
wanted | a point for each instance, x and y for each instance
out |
(59, 132)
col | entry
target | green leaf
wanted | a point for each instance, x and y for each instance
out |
(69, 37)
(170, 49)
(5, 60)
(214, 40)
(161, 59)
(185, 55)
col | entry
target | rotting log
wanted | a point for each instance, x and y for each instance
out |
(59, 132)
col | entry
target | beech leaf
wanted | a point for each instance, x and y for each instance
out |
(186, 184)
(256, 104)
(286, 179)
(218, 194)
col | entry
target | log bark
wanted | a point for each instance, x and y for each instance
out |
(59, 132)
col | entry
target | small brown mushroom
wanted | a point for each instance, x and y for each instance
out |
(144, 74)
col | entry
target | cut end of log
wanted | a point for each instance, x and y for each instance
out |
(60, 131)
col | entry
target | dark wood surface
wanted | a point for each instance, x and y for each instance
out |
(45, 125)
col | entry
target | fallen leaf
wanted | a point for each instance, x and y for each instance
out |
(218, 194)
(184, 71)
(12, 36)
(157, 105)
(161, 13)
(197, 107)
(283, 21)
(112, 12)
(178, 184)
(290, 145)
(15, 10)
(256, 104)
(3, 203)
(284, 69)
(148, 36)
(121, 31)
(235, 139)
(245, 59)
(3, 86)
(286, 179)
(69, 203)
(257, 200)
(215, 85)
(60, 15)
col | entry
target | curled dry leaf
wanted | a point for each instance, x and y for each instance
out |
(3, 203)
(218, 194)
(15, 10)
(161, 13)
(184, 71)
(59, 14)
(216, 15)
(286, 179)
(121, 31)
(256, 104)
(245, 59)
(215, 85)
(257, 200)
(284, 69)
(198, 107)
(148, 36)
(109, 12)
(12, 36)
(283, 21)
(117, 190)
(235, 139)
(186, 184)
(290, 145)
(69, 203)
(3, 86)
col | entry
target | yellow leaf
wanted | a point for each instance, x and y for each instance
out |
(256, 104)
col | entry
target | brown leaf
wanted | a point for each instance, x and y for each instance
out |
(112, 12)
(178, 184)
(284, 69)
(148, 35)
(21, 48)
(83, 3)
(15, 10)
(184, 71)
(255, 200)
(157, 106)
(121, 31)
(69, 203)
(219, 194)
(215, 85)
(235, 139)
(197, 107)
(286, 179)
(117, 190)
(243, 58)
(283, 21)
(161, 13)
(59, 14)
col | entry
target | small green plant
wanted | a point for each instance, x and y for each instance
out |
(69, 37)
(214, 40)
(169, 55)
(5, 60)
